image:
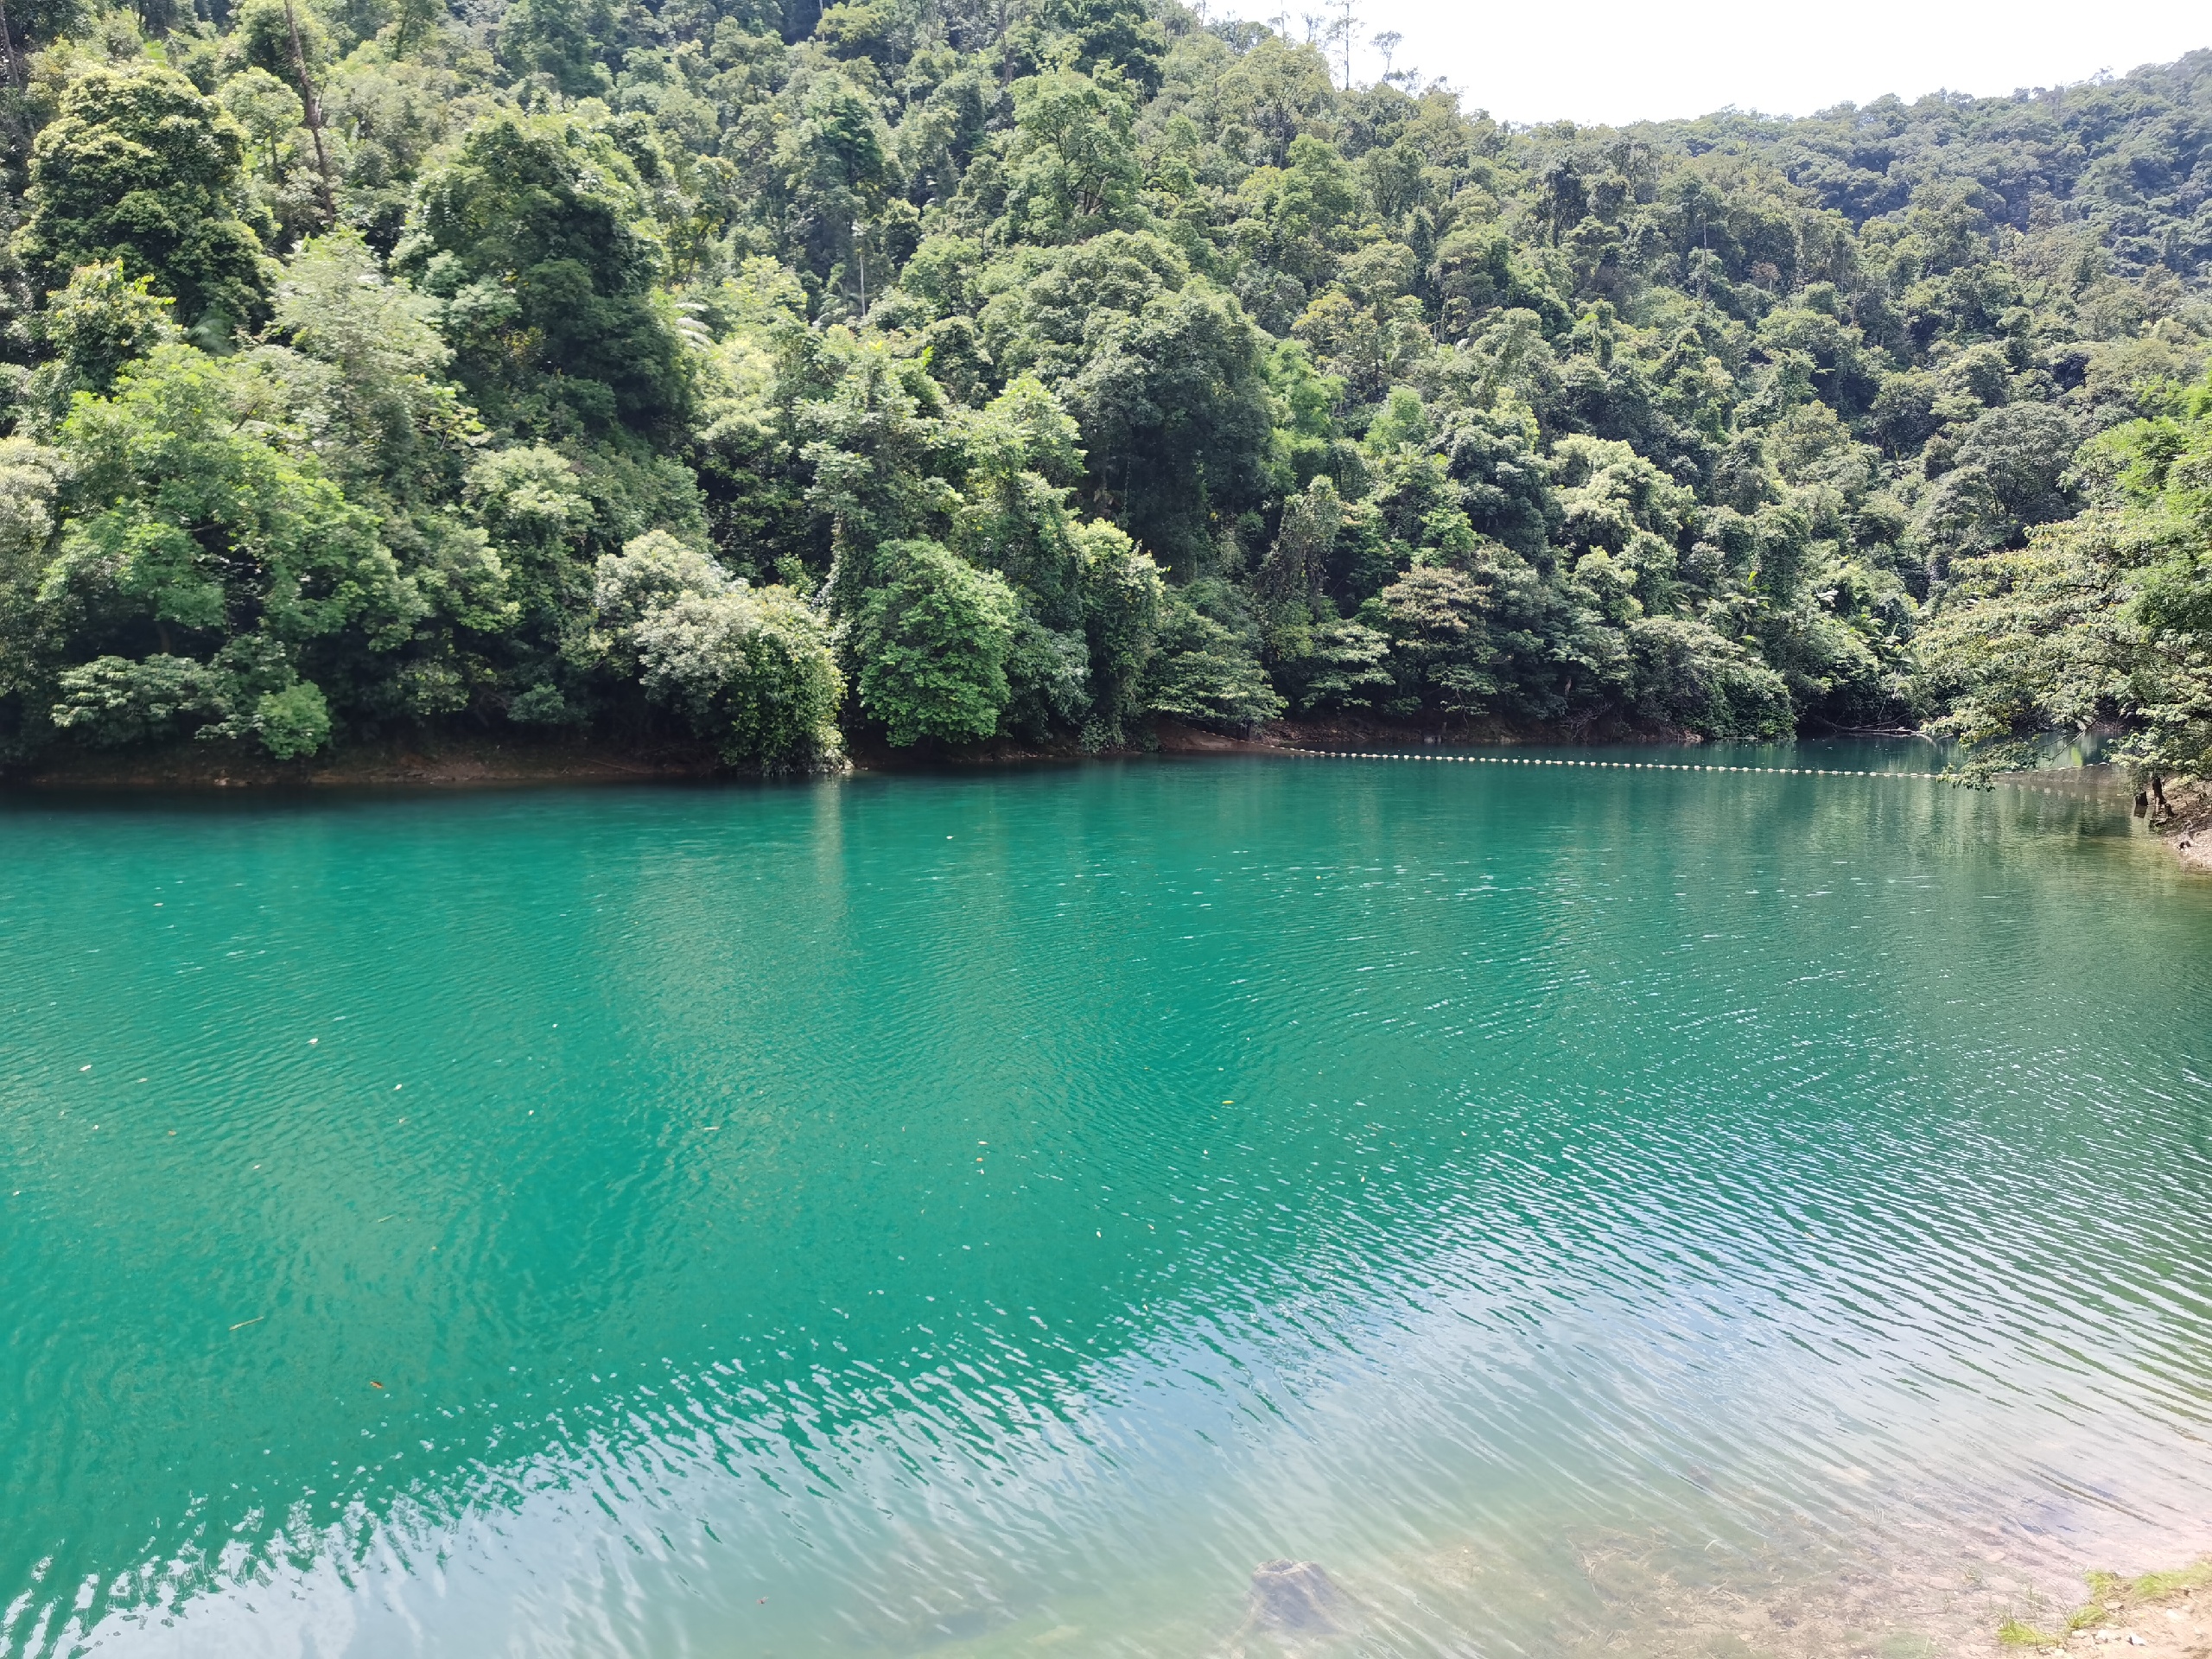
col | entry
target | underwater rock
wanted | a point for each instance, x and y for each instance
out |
(1294, 1596)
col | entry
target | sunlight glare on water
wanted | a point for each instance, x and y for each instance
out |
(993, 1214)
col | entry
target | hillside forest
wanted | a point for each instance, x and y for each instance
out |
(942, 374)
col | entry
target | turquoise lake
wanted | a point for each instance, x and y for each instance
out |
(1582, 1210)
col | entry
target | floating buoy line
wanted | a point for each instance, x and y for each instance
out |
(1604, 765)
(1663, 765)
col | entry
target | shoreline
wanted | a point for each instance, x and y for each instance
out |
(462, 763)
(2187, 830)
(2163, 1615)
(491, 763)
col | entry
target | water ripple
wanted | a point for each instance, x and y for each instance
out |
(951, 1215)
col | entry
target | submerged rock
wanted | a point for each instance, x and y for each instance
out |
(1294, 1596)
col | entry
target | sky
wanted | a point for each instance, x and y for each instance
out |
(1617, 60)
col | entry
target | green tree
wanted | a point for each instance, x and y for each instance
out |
(2103, 619)
(1205, 666)
(539, 236)
(1109, 34)
(1014, 518)
(214, 538)
(1687, 675)
(561, 40)
(102, 320)
(529, 502)
(1123, 594)
(751, 669)
(879, 444)
(268, 110)
(1072, 165)
(138, 167)
(2006, 475)
(838, 168)
(1237, 387)
(403, 426)
(932, 644)
(1176, 422)
(261, 38)
(1299, 217)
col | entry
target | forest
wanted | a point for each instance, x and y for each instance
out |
(943, 373)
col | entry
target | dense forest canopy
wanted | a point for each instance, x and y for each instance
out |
(944, 372)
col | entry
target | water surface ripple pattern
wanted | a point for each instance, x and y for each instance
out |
(949, 1214)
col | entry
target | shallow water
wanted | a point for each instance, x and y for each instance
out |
(1583, 1210)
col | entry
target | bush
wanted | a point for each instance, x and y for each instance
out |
(293, 722)
(114, 702)
(1203, 673)
(1685, 675)
(752, 669)
(932, 645)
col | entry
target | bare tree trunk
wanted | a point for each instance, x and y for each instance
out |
(313, 108)
(19, 286)
(14, 68)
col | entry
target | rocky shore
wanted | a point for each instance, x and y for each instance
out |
(2186, 825)
(2158, 1616)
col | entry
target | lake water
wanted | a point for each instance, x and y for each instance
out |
(1581, 1211)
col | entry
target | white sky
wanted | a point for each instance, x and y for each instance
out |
(1615, 61)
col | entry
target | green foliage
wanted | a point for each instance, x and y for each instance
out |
(394, 426)
(878, 446)
(1101, 34)
(114, 702)
(138, 167)
(192, 514)
(261, 38)
(2006, 475)
(2103, 619)
(733, 372)
(1175, 418)
(1205, 666)
(195, 521)
(102, 320)
(559, 40)
(751, 669)
(268, 109)
(294, 721)
(1072, 168)
(1122, 596)
(933, 642)
(1688, 676)
(538, 236)
(838, 168)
